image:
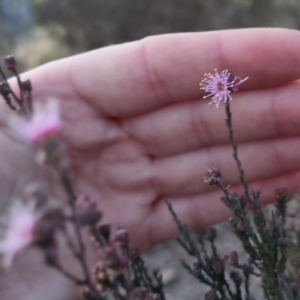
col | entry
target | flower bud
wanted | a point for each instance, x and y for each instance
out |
(105, 231)
(197, 272)
(211, 234)
(212, 177)
(247, 268)
(101, 277)
(87, 212)
(134, 254)
(121, 236)
(138, 293)
(211, 295)
(281, 193)
(27, 86)
(218, 264)
(151, 296)
(236, 278)
(234, 259)
(10, 63)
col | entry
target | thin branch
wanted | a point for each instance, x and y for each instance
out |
(20, 87)
(79, 254)
(67, 274)
(10, 89)
(235, 149)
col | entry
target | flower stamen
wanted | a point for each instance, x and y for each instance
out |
(220, 86)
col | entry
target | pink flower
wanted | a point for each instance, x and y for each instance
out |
(44, 122)
(19, 233)
(220, 86)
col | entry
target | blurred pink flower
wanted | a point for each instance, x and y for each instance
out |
(44, 122)
(220, 86)
(19, 234)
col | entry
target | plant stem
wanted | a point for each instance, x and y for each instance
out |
(235, 150)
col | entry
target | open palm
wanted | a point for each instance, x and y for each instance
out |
(139, 132)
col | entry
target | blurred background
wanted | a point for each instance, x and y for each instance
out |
(37, 31)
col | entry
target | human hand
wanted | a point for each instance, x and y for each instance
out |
(139, 132)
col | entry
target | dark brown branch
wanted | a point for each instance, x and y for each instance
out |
(235, 150)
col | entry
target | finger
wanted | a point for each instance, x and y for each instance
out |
(188, 126)
(137, 77)
(204, 210)
(183, 174)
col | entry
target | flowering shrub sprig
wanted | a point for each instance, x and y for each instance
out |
(120, 271)
(264, 239)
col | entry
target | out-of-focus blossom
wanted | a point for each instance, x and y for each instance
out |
(220, 86)
(45, 122)
(20, 232)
